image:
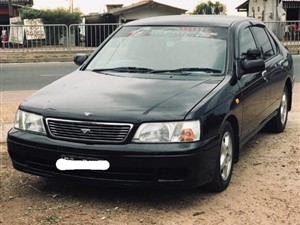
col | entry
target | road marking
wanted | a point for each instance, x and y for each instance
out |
(52, 75)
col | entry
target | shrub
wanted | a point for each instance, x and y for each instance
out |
(52, 16)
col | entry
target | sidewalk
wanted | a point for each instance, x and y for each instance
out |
(32, 57)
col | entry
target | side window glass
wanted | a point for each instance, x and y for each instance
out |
(246, 42)
(263, 42)
(273, 43)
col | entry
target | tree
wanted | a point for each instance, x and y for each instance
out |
(210, 8)
(52, 16)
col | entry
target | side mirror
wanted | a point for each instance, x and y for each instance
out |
(253, 66)
(80, 58)
(253, 53)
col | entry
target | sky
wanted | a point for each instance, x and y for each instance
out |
(98, 6)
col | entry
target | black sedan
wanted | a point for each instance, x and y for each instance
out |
(163, 102)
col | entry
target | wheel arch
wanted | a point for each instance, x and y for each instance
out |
(288, 84)
(235, 126)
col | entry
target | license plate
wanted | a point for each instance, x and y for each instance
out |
(72, 164)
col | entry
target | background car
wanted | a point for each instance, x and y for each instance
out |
(163, 102)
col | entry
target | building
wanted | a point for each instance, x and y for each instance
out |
(292, 9)
(117, 14)
(243, 7)
(272, 10)
(16, 4)
(142, 9)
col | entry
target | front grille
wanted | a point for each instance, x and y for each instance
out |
(88, 131)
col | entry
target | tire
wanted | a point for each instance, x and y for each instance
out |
(278, 123)
(224, 165)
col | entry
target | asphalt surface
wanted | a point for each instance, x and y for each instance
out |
(33, 76)
(297, 67)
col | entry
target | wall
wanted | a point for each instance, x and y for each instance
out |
(146, 12)
(4, 18)
(265, 10)
(4, 10)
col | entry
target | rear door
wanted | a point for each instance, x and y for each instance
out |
(274, 71)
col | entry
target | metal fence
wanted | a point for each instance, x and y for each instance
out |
(34, 38)
(81, 37)
(287, 32)
(89, 36)
(56, 37)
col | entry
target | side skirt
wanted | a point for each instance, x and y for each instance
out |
(252, 134)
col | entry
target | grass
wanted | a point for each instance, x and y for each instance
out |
(51, 219)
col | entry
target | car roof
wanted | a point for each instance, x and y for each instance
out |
(193, 20)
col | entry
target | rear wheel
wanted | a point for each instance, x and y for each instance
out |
(224, 165)
(278, 123)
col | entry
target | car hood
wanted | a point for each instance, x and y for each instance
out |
(103, 97)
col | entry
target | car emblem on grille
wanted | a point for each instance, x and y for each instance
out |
(85, 131)
(88, 113)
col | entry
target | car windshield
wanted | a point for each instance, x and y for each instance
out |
(164, 49)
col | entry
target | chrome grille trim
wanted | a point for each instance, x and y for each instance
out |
(88, 131)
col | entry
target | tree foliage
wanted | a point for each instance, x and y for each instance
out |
(210, 8)
(54, 16)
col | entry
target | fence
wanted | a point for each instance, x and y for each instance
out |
(56, 37)
(86, 37)
(34, 38)
(287, 32)
(89, 36)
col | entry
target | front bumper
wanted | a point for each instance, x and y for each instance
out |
(176, 165)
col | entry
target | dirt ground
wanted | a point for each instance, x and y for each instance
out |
(265, 190)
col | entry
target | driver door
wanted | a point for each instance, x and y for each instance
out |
(254, 89)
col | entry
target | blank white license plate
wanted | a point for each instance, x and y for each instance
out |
(72, 164)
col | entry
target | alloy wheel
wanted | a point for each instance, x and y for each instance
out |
(226, 155)
(283, 108)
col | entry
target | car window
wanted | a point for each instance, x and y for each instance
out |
(246, 42)
(273, 43)
(263, 42)
(164, 48)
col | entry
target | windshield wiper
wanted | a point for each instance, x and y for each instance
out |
(128, 69)
(188, 69)
(182, 71)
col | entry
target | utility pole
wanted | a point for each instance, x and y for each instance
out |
(71, 6)
(276, 11)
(10, 9)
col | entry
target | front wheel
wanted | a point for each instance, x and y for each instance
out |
(278, 123)
(224, 165)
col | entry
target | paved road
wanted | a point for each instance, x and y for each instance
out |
(297, 67)
(33, 76)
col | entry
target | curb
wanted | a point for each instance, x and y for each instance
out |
(33, 57)
(7, 60)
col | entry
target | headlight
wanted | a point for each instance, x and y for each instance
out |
(188, 131)
(29, 122)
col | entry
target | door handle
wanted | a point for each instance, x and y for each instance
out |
(264, 75)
